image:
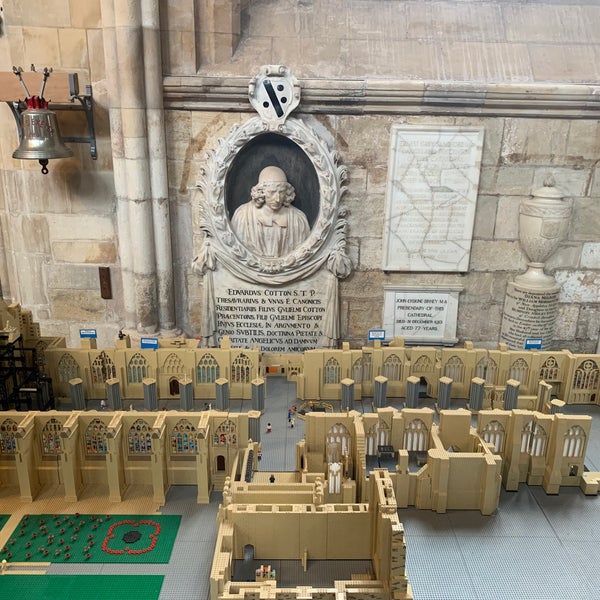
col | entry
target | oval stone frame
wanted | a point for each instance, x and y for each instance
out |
(326, 234)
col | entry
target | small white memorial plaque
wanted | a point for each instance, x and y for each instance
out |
(421, 315)
(431, 197)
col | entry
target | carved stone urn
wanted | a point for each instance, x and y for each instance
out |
(543, 225)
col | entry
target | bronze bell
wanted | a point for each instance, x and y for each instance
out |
(41, 137)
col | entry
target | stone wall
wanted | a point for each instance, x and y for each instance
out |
(56, 230)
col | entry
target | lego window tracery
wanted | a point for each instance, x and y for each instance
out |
(550, 370)
(339, 436)
(534, 439)
(95, 438)
(519, 371)
(378, 435)
(367, 363)
(423, 365)
(486, 369)
(207, 369)
(103, 368)
(574, 442)
(139, 438)
(137, 369)
(332, 371)
(51, 437)
(241, 369)
(455, 369)
(494, 433)
(392, 367)
(586, 376)
(357, 370)
(67, 368)
(416, 436)
(8, 443)
(183, 438)
(225, 434)
(173, 365)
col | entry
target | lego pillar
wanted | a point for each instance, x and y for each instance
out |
(76, 392)
(69, 466)
(254, 426)
(511, 394)
(258, 394)
(113, 393)
(150, 396)
(544, 395)
(476, 393)
(29, 483)
(444, 393)
(380, 395)
(222, 393)
(186, 394)
(556, 406)
(347, 394)
(114, 460)
(412, 392)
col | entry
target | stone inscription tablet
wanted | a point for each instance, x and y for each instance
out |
(278, 319)
(431, 197)
(421, 315)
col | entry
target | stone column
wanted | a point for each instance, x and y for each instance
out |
(222, 393)
(412, 392)
(186, 394)
(380, 393)
(511, 394)
(444, 393)
(113, 393)
(347, 394)
(76, 392)
(258, 394)
(150, 395)
(476, 393)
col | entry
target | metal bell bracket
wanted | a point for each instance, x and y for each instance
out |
(86, 103)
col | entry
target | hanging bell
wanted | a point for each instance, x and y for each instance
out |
(41, 137)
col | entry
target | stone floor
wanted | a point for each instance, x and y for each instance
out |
(535, 547)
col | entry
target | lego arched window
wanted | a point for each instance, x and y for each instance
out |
(586, 376)
(519, 371)
(8, 443)
(550, 370)
(139, 438)
(173, 365)
(486, 369)
(335, 478)
(51, 438)
(455, 369)
(574, 442)
(534, 439)
(137, 369)
(183, 438)
(416, 436)
(392, 367)
(493, 433)
(95, 438)
(103, 368)
(378, 435)
(241, 369)
(225, 434)
(207, 369)
(357, 370)
(339, 436)
(332, 371)
(423, 364)
(67, 368)
(367, 364)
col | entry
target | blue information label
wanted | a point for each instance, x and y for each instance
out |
(533, 343)
(147, 342)
(376, 334)
(88, 333)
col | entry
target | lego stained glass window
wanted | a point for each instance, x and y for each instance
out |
(8, 443)
(455, 369)
(416, 436)
(51, 437)
(173, 365)
(225, 434)
(183, 438)
(137, 369)
(139, 438)
(67, 368)
(493, 433)
(332, 371)
(207, 369)
(95, 438)
(103, 368)
(241, 369)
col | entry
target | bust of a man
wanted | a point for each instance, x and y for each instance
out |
(268, 224)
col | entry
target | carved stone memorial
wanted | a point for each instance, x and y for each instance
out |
(431, 197)
(274, 233)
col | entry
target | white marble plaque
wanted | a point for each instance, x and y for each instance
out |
(421, 315)
(279, 319)
(433, 176)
